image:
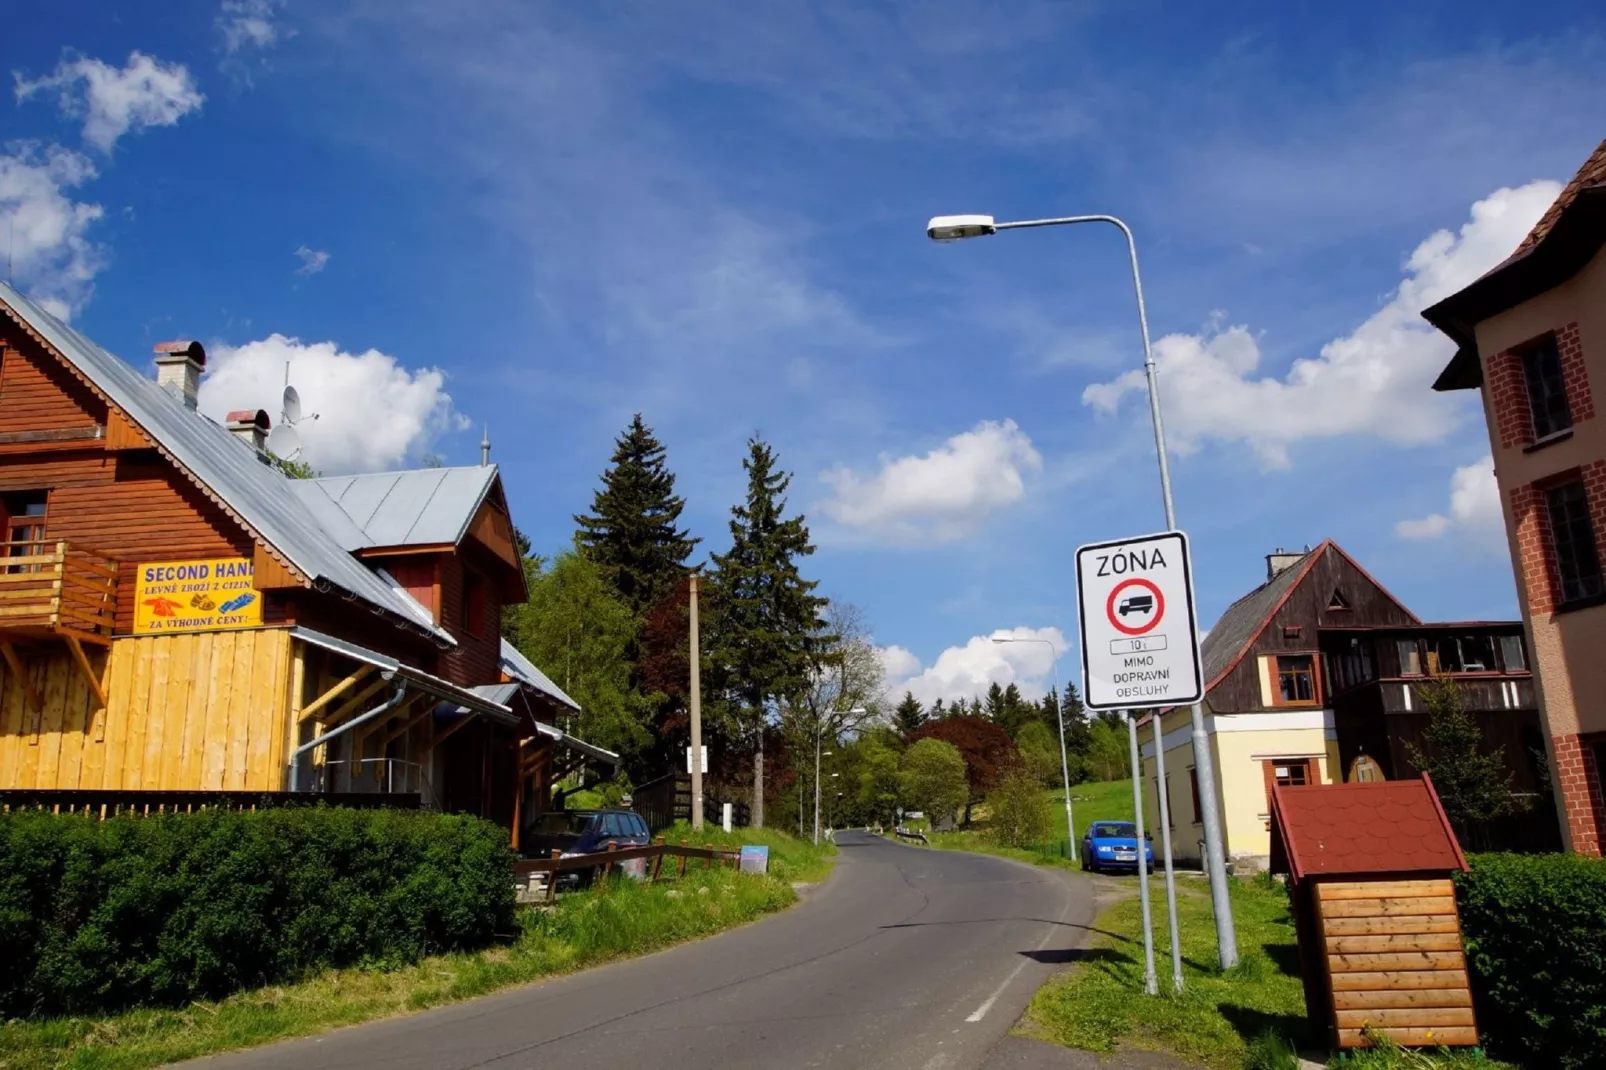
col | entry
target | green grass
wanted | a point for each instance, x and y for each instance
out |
(791, 859)
(1222, 1019)
(584, 929)
(1106, 800)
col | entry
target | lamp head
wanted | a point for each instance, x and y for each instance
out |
(949, 228)
(858, 710)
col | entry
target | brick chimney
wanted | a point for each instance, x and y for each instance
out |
(178, 369)
(1281, 560)
(250, 427)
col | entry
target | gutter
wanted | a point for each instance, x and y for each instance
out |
(380, 710)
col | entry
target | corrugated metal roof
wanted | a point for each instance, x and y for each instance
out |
(1243, 619)
(470, 699)
(423, 507)
(258, 494)
(516, 665)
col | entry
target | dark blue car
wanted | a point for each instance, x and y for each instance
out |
(1113, 845)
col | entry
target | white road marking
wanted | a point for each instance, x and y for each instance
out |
(981, 1012)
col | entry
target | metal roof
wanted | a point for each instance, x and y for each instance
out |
(422, 507)
(1244, 619)
(258, 494)
(521, 668)
(467, 699)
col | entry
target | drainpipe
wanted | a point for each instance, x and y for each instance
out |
(380, 710)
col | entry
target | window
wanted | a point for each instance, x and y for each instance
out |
(1463, 653)
(1410, 657)
(1512, 656)
(1293, 631)
(25, 527)
(1296, 679)
(1352, 665)
(1338, 601)
(1286, 772)
(1547, 390)
(1577, 564)
(1193, 786)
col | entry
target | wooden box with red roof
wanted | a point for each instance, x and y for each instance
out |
(1368, 869)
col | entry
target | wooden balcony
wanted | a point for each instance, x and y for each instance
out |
(1478, 692)
(51, 589)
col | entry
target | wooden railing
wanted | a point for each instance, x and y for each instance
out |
(52, 586)
(604, 861)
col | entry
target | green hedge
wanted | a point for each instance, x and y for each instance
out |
(162, 910)
(1535, 929)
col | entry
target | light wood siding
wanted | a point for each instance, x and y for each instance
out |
(1394, 962)
(203, 712)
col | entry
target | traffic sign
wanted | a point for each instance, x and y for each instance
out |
(1140, 633)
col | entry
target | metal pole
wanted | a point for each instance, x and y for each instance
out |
(1165, 845)
(817, 730)
(1065, 764)
(696, 715)
(1204, 766)
(1150, 985)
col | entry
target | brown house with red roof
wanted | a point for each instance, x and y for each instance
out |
(1532, 341)
(1314, 670)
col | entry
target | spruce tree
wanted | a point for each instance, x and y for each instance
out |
(631, 534)
(995, 704)
(769, 632)
(1472, 786)
(909, 715)
(937, 711)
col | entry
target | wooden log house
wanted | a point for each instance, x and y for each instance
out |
(1380, 952)
(176, 614)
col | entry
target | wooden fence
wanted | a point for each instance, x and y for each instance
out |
(604, 861)
(104, 804)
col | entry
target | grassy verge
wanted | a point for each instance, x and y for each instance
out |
(627, 918)
(1249, 1016)
(1108, 800)
(791, 859)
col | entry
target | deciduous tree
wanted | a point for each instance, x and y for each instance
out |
(987, 749)
(932, 779)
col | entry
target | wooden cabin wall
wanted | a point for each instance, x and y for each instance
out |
(1306, 608)
(477, 658)
(36, 394)
(194, 712)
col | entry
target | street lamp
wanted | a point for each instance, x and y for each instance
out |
(1065, 765)
(819, 730)
(951, 228)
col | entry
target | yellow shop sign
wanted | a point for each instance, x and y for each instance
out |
(192, 596)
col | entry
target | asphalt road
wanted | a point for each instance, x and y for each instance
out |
(906, 957)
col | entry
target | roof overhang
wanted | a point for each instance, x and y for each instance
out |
(463, 699)
(1577, 235)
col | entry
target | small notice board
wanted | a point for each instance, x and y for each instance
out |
(210, 594)
(1139, 629)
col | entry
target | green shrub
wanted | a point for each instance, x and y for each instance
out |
(166, 909)
(1535, 929)
(1019, 810)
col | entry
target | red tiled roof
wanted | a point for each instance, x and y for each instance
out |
(1393, 827)
(1593, 173)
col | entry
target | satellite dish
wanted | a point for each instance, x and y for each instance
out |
(292, 406)
(284, 442)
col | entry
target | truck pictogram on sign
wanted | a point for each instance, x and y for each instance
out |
(1138, 599)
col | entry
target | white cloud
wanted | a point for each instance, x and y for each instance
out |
(312, 260)
(941, 495)
(46, 231)
(145, 93)
(967, 671)
(372, 412)
(1373, 381)
(248, 24)
(1474, 507)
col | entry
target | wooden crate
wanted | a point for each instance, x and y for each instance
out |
(1394, 962)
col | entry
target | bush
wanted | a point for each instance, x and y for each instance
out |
(167, 909)
(1019, 811)
(1535, 929)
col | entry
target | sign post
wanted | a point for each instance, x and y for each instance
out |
(1140, 650)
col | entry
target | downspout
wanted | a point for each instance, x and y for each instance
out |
(378, 711)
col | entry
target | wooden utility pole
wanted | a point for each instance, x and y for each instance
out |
(696, 715)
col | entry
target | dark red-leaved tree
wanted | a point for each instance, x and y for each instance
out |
(987, 749)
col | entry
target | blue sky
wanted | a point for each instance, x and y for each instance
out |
(544, 217)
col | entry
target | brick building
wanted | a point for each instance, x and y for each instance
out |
(1532, 338)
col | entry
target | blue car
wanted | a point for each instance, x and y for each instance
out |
(1113, 845)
